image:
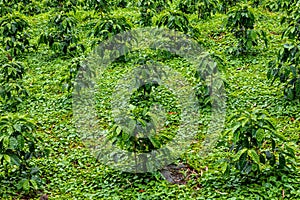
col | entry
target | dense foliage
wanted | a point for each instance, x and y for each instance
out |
(255, 45)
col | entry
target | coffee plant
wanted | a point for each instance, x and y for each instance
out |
(293, 30)
(9, 5)
(100, 6)
(61, 36)
(121, 3)
(241, 22)
(145, 134)
(286, 67)
(14, 37)
(4, 8)
(206, 8)
(17, 146)
(62, 5)
(277, 5)
(158, 5)
(108, 27)
(177, 21)
(32, 8)
(174, 20)
(76, 65)
(256, 144)
(225, 5)
(149, 8)
(209, 85)
(11, 88)
(188, 6)
(18, 142)
(28, 7)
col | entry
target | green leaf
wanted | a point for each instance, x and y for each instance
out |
(13, 143)
(260, 134)
(118, 130)
(233, 130)
(278, 135)
(21, 141)
(20, 184)
(247, 168)
(226, 169)
(155, 142)
(15, 160)
(34, 184)
(26, 185)
(7, 158)
(239, 154)
(290, 151)
(17, 127)
(252, 153)
(5, 142)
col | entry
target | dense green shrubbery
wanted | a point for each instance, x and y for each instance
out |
(224, 5)
(14, 36)
(61, 36)
(145, 136)
(99, 6)
(174, 20)
(241, 22)
(277, 5)
(108, 27)
(286, 67)
(11, 88)
(252, 144)
(204, 8)
(18, 142)
(18, 145)
(256, 144)
(150, 8)
(178, 21)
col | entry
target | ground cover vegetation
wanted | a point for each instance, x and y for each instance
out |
(256, 47)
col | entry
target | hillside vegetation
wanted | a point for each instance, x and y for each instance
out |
(255, 45)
